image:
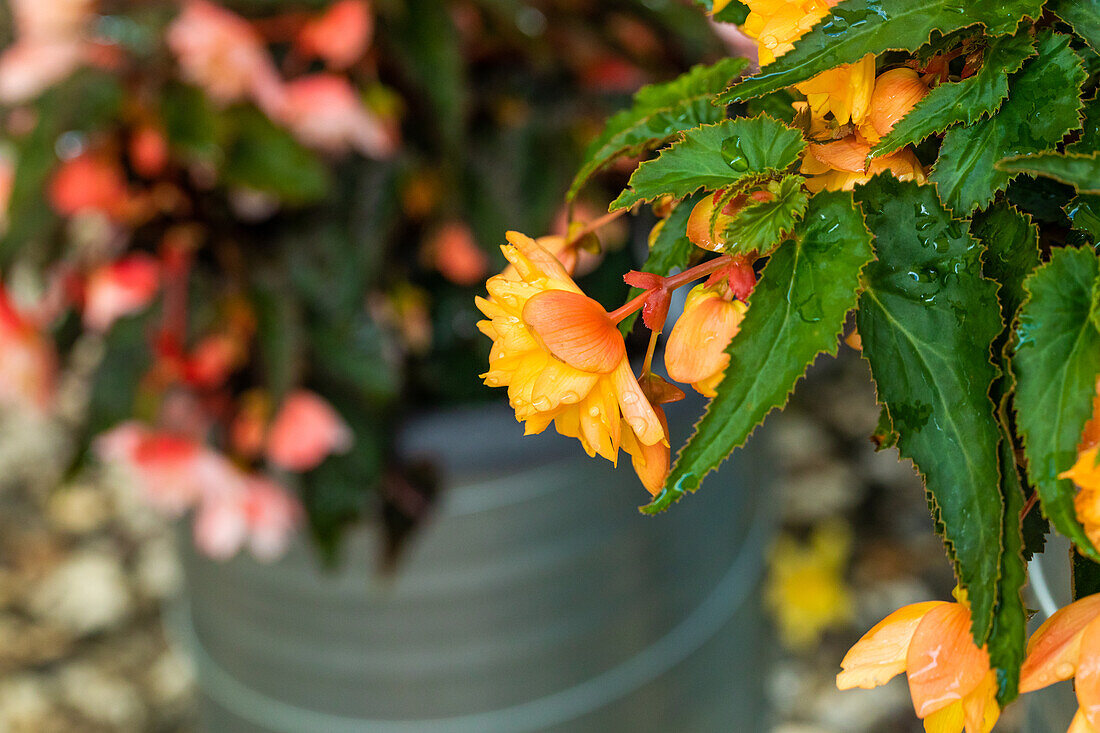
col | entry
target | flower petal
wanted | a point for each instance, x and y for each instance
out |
(881, 653)
(943, 664)
(1053, 649)
(950, 719)
(980, 709)
(1088, 673)
(576, 329)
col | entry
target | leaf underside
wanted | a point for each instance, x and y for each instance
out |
(795, 313)
(927, 320)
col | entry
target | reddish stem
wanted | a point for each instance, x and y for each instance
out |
(1031, 501)
(596, 224)
(669, 284)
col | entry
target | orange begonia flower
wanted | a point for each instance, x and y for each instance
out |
(896, 92)
(562, 358)
(696, 348)
(1086, 474)
(839, 166)
(950, 681)
(1068, 645)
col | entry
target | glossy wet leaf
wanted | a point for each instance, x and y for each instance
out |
(1083, 15)
(1056, 361)
(1042, 106)
(795, 313)
(1084, 213)
(1011, 242)
(713, 157)
(927, 319)
(1089, 141)
(669, 249)
(1080, 171)
(733, 12)
(658, 113)
(859, 27)
(963, 101)
(761, 224)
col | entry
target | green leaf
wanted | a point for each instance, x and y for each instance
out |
(964, 101)
(777, 104)
(1083, 15)
(734, 12)
(1080, 171)
(267, 158)
(1042, 106)
(1084, 213)
(927, 319)
(713, 157)
(193, 126)
(1007, 638)
(796, 312)
(658, 113)
(280, 332)
(1085, 578)
(1056, 360)
(761, 224)
(1011, 244)
(856, 28)
(1089, 142)
(669, 249)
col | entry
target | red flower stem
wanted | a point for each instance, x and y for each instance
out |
(1031, 501)
(671, 283)
(596, 224)
(702, 270)
(631, 305)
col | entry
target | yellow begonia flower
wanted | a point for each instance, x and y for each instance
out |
(696, 349)
(1086, 474)
(1068, 645)
(840, 165)
(896, 92)
(562, 358)
(777, 24)
(950, 680)
(845, 91)
(806, 589)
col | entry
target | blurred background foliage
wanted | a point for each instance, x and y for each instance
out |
(349, 276)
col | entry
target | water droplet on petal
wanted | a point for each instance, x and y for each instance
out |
(593, 412)
(1064, 670)
(629, 398)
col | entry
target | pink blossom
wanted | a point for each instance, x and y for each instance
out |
(28, 361)
(220, 52)
(172, 471)
(27, 68)
(340, 36)
(453, 251)
(305, 431)
(119, 289)
(49, 46)
(322, 110)
(262, 514)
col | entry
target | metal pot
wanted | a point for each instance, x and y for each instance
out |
(536, 598)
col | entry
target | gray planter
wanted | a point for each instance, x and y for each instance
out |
(537, 598)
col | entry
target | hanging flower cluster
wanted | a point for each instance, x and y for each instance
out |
(896, 166)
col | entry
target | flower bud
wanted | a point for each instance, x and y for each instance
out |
(696, 348)
(699, 229)
(897, 91)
